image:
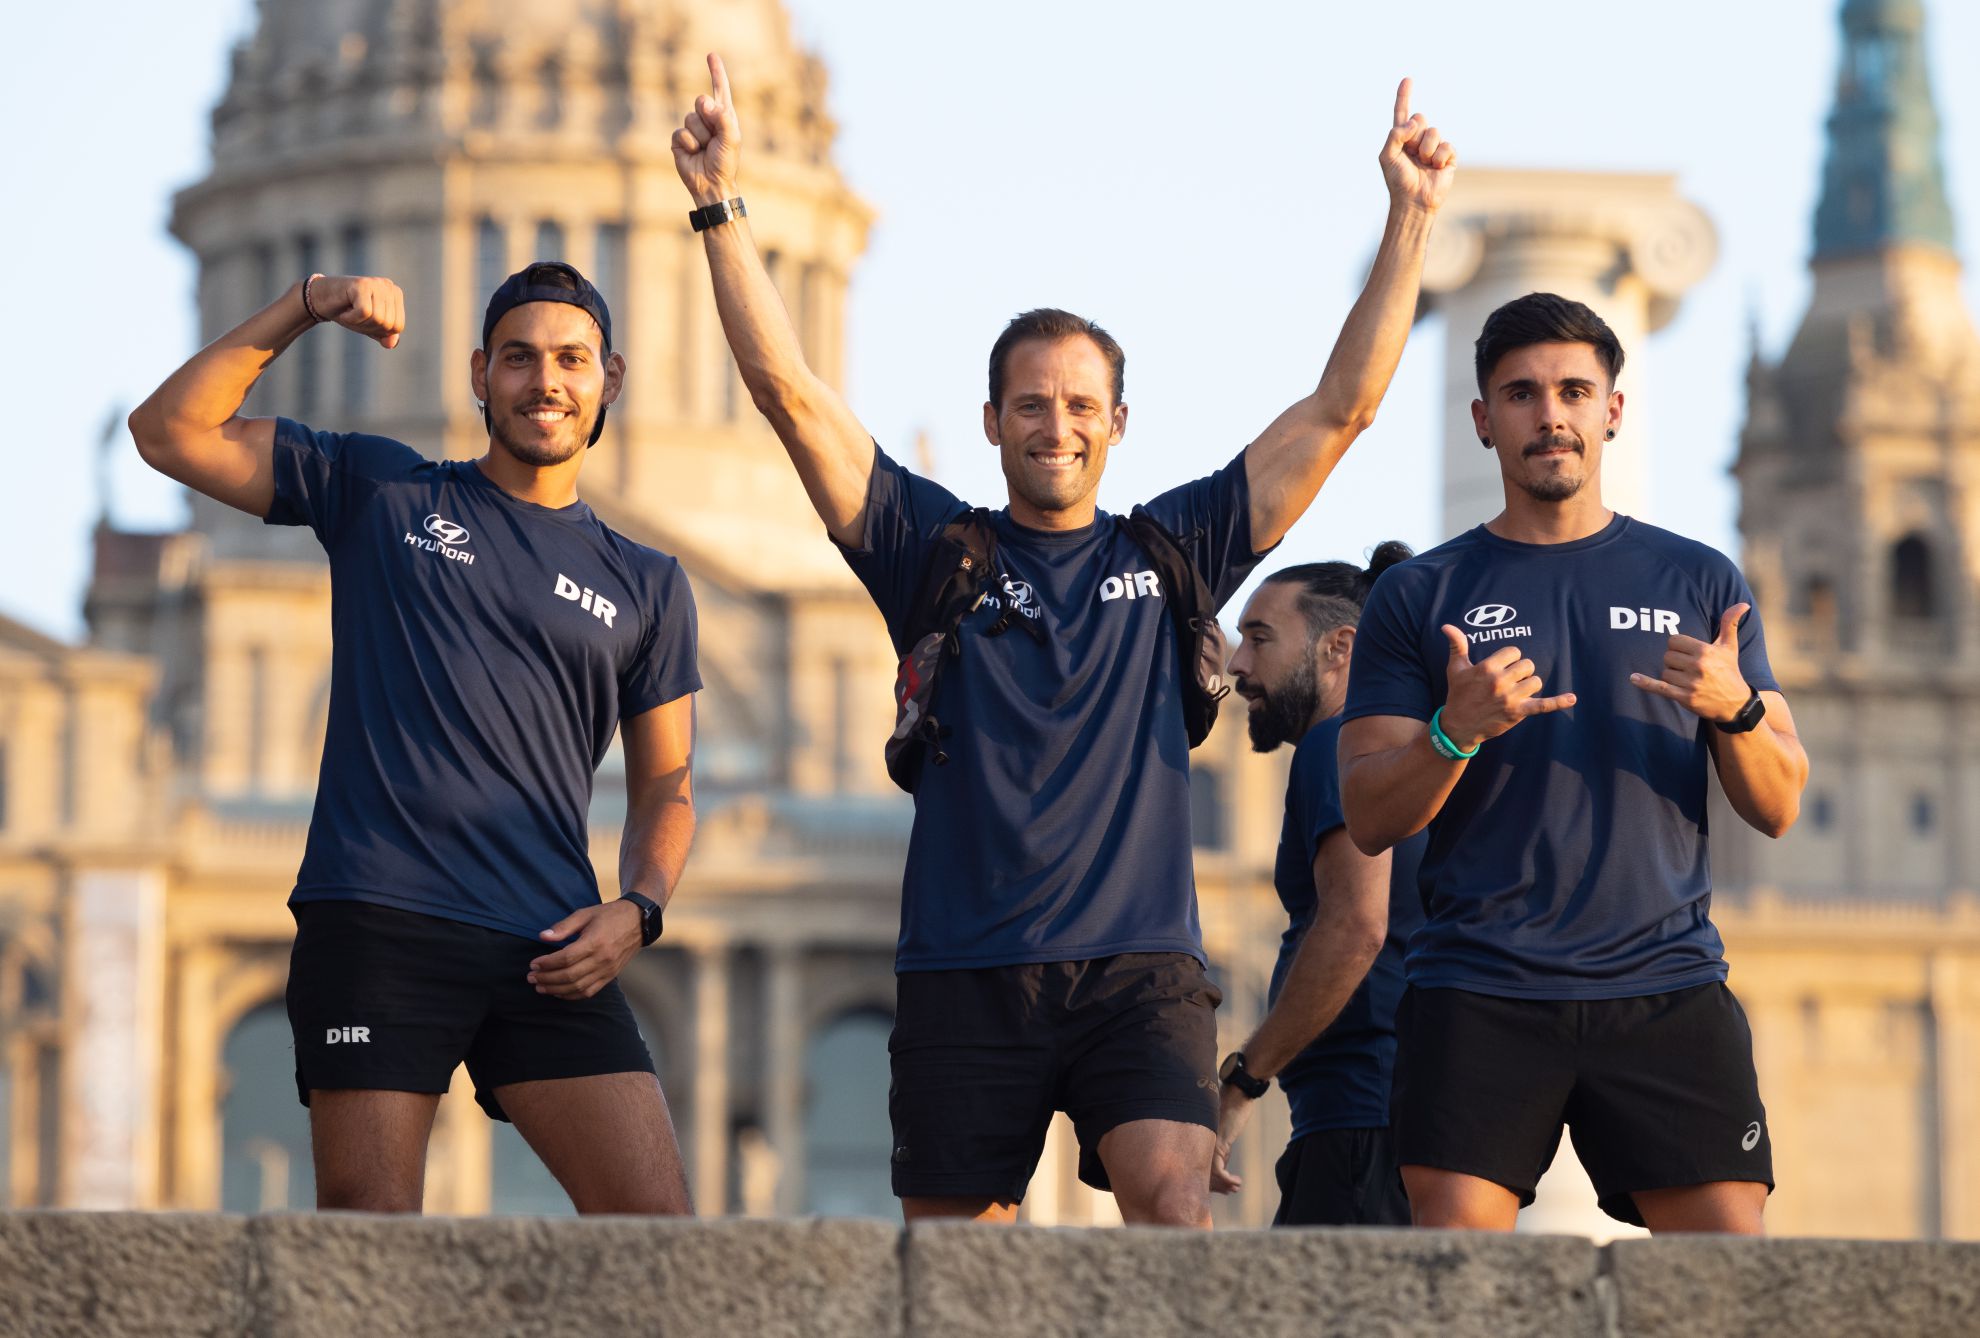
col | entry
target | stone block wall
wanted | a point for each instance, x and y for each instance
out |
(338, 1276)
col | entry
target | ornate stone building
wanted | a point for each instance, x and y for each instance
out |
(1857, 943)
(143, 936)
(155, 784)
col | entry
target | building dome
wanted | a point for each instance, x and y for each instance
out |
(501, 77)
(445, 144)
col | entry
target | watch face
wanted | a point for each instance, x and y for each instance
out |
(1229, 1066)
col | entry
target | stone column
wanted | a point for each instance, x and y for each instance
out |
(195, 1090)
(784, 1081)
(1955, 1005)
(113, 999)
(1624, 243)
(709, 1170)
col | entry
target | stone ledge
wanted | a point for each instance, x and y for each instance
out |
(76, 1273)
(1740, 1288)
(344, 1275)
(339, 1275)
(965, 1279)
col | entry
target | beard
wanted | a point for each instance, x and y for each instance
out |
(541, 452)
(1554, 487)
(1284, 713)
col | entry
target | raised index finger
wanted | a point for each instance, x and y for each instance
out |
(1402, 103)
(720, 78)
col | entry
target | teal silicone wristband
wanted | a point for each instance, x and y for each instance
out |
(1446, 747)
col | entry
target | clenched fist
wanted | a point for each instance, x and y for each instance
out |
(374, 308)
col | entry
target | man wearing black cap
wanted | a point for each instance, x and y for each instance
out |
(491, 634)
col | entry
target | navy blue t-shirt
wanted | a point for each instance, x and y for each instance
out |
(1059, 829)
(1570, 860)
(1341, 1079)
(485, 650)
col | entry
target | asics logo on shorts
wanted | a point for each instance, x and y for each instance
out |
(1752, 1138)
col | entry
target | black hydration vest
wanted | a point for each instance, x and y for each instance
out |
(958, 578)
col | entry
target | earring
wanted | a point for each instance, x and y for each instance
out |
(1610, 435)
(1486, 442)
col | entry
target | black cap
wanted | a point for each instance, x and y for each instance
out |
(547, 281)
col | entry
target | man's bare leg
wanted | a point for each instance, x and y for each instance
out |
(1160, 1171)
(369, 1148)
(925, 1208)
(1439, 1198)
(608, 1139)
(1732, 1207)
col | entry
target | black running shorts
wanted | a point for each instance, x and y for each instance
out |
(982, 1058)
(1341, 1177)
(1659, 1090)
(389, 1000)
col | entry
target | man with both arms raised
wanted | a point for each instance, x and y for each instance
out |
(1050, 955)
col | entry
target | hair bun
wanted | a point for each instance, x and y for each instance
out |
(1386, 555)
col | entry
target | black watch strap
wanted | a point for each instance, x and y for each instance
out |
(1232, 1074)
(649, 917)
(714, 215)
(1748, 716)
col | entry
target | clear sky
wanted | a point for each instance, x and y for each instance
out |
(1200, 178)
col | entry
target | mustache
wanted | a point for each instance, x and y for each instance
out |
(1554, 441)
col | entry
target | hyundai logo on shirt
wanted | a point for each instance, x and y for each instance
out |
(1491, 615)
(446, 531)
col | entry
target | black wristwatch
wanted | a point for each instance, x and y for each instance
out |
(714, 215)
(649, 917)
(1232, 1074)
(1747, 716)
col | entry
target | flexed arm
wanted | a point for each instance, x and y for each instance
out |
(832, 452)
(1292, 458)
(191, 428)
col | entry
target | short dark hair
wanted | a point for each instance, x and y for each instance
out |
(1331, 593)
(1543, 318)
(1052, 323)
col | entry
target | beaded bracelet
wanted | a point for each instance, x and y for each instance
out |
(307, 305)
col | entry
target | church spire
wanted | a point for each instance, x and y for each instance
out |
(1884, 183)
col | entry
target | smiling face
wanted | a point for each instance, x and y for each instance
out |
(1547, 411)
(1054, 427)
(545, 379)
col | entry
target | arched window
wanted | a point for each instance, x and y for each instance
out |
(264, 1130)
(848, 1142)
(1911, 578)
